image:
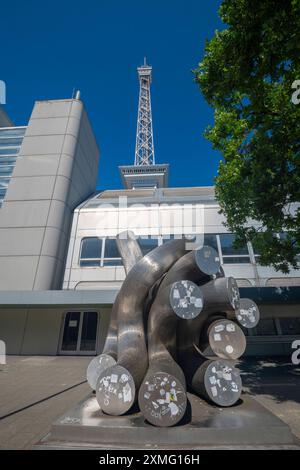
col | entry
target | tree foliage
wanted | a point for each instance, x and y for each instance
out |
(246, 75)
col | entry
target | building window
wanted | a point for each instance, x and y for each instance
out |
(210, 239)
(99, 252)
(148, 244)
(80, 333)
(230, 254)
(10, 144)
(290, 326)
(91, 251)
(111, 253)
(89, 331)
(71, 329)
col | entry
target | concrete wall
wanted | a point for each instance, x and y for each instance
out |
(30, 331)
(38, 331)
(56, 170)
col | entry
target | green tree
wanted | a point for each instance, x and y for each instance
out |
(246, 75)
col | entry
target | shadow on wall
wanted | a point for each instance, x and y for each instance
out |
(278, 378)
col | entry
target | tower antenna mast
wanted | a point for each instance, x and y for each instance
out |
(144, 147)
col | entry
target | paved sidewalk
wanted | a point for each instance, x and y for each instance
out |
(35, 391)
(276, 385)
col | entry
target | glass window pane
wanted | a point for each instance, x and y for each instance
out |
(71, 329)
(9, 151)
(4, 183)
(90, 262)
(91, 248)
(112, 262)
(111, 250)
(227, 240)
(8, 160)
(147, 244)
(89, 331)
(10, 142)
(15, 131)
(6, 170)
(236, 260)
(211, 240)
(290, 326)
(266, 327)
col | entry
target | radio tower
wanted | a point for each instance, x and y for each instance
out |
(144, 173)
(144, 147)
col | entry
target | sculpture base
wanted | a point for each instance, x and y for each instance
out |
(248, 424)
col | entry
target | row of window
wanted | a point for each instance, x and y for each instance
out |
(10, 144)
(103, 251)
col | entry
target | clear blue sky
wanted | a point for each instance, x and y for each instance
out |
(50, 47)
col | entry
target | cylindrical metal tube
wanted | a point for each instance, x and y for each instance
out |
(203, 340)
(220, 294)
(226, 339)
(218, 381)
(129, 249)
(117, 387)
(130, 253)
(247, 314)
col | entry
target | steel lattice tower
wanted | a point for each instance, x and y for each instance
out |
(144, 173)
(144, 147)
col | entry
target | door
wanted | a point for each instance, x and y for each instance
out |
(80, 333)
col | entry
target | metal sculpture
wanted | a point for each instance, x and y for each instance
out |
(162, 396)
(172, 305)
(118, 385)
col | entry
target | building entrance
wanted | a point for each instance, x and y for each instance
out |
(80, 333)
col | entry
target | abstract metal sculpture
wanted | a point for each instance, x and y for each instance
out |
(118, 385)
(163, 402)
(172, 305)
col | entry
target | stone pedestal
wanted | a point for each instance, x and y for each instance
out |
(246, 425)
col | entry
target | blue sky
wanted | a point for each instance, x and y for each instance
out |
(50, 47)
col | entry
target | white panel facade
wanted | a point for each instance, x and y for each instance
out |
(182, 210)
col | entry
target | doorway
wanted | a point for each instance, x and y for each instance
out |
(80, 333)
